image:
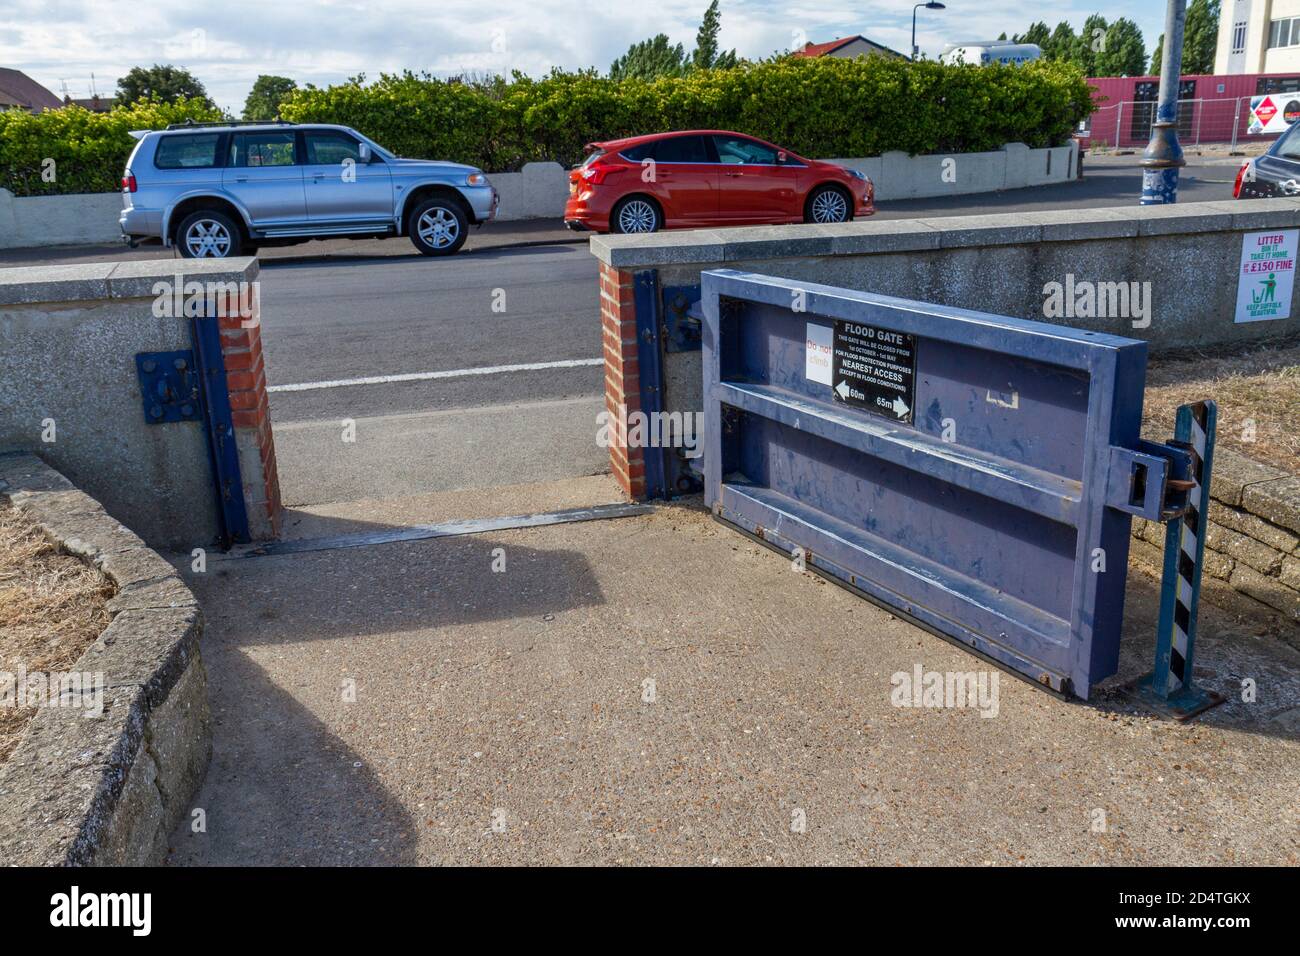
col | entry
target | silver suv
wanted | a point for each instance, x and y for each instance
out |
(224, 189)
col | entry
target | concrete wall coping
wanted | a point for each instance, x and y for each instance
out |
(865, 237)
(108, 790)
(28, 285)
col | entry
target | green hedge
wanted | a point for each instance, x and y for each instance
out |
(89, 149)
(820, 108)
(817, 107)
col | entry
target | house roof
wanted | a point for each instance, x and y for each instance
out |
(830, 46)
(19, 89)
(96, 104)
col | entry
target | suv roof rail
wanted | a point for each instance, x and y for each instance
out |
(190, 124)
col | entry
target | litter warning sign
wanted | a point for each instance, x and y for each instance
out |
(1267, 275)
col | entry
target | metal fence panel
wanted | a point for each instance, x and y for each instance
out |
(1126, 124)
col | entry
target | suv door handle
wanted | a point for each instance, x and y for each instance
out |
(241, 179)
(735, 174)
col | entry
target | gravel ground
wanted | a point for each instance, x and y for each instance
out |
(503, 718)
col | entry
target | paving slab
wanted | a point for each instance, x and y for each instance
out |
(661, 689)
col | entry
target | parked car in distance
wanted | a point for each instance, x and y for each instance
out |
(708, 178)
(215, 190)
(1274, 173)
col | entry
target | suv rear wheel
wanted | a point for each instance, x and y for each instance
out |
(438, 226)
(208, 234)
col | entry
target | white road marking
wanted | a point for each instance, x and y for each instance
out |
(428, 376)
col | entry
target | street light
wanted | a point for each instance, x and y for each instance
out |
(932, 5)
(1164, 157)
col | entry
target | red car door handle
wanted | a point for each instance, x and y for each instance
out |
(735, 174)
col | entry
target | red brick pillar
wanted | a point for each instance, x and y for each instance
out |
(241, 348)
(622, 380)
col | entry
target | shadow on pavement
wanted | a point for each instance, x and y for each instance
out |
(283, 787)
(282, 790)
(354, 592)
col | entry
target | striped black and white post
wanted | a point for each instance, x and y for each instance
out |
(1171, 684)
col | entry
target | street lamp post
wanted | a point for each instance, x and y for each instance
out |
(932, 5)
(1164, 157)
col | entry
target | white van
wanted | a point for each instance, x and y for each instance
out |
(984, 52)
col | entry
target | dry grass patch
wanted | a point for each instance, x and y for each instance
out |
(52, 607)
(1258, 393)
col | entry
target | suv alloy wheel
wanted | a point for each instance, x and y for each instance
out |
(437, 226)
(208, 234)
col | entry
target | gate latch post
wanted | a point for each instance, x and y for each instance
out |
(1169, 688)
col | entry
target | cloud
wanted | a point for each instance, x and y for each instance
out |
(227, 45)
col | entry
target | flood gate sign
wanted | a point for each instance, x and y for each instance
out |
(1267, 275)
(874, 369)
(975, 473)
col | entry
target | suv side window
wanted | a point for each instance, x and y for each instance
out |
(682, 149)
(736, 149)
(327, 148)
(262, 149)
(187, 151)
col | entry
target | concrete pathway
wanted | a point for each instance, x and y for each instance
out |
(662, 690)
(416, 453)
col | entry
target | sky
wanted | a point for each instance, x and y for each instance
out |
(227, 44)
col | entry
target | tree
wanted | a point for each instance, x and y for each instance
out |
(1037, 33)
(650, 59)
(706, 55)
(1092, 40)
(1061, 45)
(1124, 52)
(1200, 36)
(656, 57)
(165, 84)
(268, 93)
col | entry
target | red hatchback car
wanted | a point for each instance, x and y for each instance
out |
(708, 178)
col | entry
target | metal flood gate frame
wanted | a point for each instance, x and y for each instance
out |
(975, 472)
(190, 385)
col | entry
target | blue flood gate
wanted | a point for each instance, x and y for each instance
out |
(974, 472)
